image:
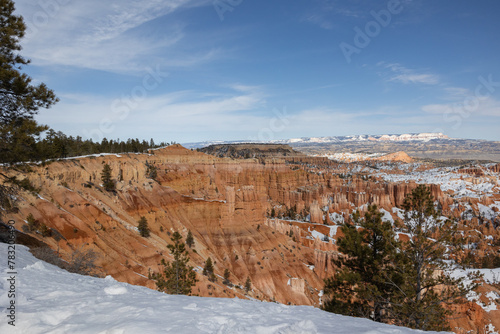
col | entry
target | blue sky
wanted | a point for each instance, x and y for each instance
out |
(185, 71)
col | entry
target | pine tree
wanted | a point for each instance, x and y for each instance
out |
(44, 230)
(18, 140)
(177, 277)
(151, 171)
(143, 227)
(19, 98)
(32, 222)
(360, 287)
(404, 283)
(107, 182)
(427, 286)
(35, 226)
(189, 240)
(248, 285)
(227, 274)
(208, 270)
(273, 213)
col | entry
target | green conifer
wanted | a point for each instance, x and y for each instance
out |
(208, 270)
(427, 285)
(360, 287)
(143, 227)
(248, 285)
(189, 240)
(20, 99)
(177, 277)
(403, 283)
(32, 223)
(227, 274)
(107, 182)
(151, 171)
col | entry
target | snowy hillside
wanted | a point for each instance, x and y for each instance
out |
(448, 178)
(50, 300)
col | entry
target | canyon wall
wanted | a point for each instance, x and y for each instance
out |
(239, 212)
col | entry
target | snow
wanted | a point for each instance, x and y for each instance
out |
(333, 230)
(49, 299)
(351, 157)
(490, 328)
(486, 212)
(387, 216)
(490, 276)
(311, 267)
(96, 155)
(316, 234)
(425, 137)
(336, 218)
(206, 200)
(422, 137)
(475, 297)
(399, 212)
(448, 179)
(492, 296)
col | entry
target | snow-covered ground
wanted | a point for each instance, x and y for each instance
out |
(51, 300)
(350, 157)
(448, 179)
(490, 276)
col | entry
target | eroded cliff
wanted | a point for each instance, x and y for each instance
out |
(272, 219)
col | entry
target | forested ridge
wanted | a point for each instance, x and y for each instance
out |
(57, 145)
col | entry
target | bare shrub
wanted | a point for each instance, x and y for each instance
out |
(83, 262)
(48, 255)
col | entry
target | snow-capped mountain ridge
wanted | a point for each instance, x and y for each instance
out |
(407, 137)
(394, 137)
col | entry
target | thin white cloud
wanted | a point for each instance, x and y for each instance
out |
(178, 111)
(405, 75)
(104, 35)
(319, 20)
(325, 13)
(233, 104)
(456, 93)
(469, 105)
(242, 112)
(245, 88)
(428, 79)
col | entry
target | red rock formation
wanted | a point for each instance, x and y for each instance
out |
(225, 203)
(397, 156)
(495, 168)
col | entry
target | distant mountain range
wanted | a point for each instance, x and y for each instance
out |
(422, 137)
(339, 139)
(417, 145)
